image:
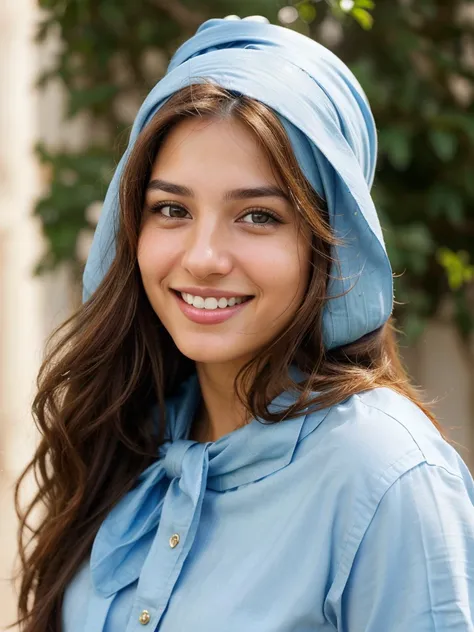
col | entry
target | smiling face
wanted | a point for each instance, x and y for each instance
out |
(216, 223)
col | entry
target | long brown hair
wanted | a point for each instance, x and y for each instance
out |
(113, 360)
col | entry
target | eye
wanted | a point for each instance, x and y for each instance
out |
(169, 210)
(259, 217)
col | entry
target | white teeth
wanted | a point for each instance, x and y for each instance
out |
(210, 302)
(198, 301)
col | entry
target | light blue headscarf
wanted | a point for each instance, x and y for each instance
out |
(332, 132)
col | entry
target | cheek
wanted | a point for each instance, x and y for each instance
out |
(305, 254)
(153, 256)
(294, 281)
(281, 270)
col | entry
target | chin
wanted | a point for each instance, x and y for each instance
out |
(205, 351)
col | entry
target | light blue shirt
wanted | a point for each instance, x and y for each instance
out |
(357, 518)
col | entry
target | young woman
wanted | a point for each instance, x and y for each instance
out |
(229, 439)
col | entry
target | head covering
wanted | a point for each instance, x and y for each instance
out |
(331, 129)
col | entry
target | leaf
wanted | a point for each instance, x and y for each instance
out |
(363, 17)
(415, 246)
(444, 201)
(444, 144)
(365, 4)
(307, 12)
(417, 237)
(457, 266)
(85, 99)
(395, 142)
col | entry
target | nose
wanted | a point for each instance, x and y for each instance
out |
(207, 250)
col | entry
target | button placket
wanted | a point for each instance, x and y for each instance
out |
(178, 523)
(151, 605)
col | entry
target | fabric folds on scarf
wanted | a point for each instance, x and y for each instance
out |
(332, 132)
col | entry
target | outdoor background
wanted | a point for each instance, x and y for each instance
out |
(73, 74)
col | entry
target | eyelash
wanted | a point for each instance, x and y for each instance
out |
(159, 205)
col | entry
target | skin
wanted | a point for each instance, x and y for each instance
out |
(207, 240)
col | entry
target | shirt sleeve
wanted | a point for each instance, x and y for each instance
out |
(414, 568)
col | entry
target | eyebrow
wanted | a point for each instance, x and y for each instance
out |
(234, 194)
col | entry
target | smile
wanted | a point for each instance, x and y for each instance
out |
(209, 311)
(211, 302)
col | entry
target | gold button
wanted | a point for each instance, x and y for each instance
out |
(174, 540)
(144, 617)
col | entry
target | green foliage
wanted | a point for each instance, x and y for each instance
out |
(410, 57)
(458, 268)
(358, 10)
(77, 181)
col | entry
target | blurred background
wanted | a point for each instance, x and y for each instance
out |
(73, 74)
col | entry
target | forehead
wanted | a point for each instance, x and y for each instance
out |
(211, 149)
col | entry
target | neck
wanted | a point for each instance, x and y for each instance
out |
(221, 411)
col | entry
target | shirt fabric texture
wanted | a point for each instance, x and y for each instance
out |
(357, 518)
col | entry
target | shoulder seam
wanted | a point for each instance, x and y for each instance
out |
(442, 467)
(390, 482)
(369, 518)
(347, 560)
(384, 412)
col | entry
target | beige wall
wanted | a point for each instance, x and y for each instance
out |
(20, 295)
(31, 307)
(444, 366)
